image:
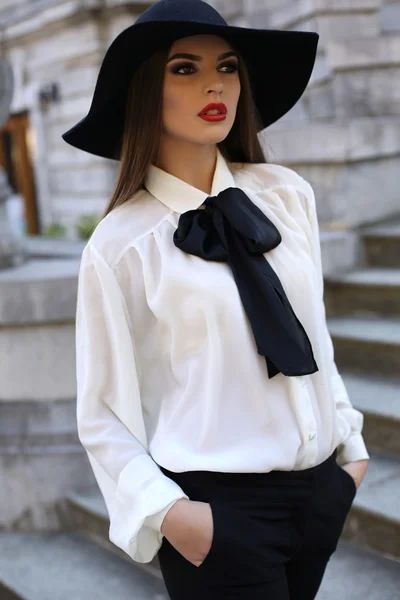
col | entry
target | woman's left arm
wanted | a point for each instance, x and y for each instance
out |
(352, 453)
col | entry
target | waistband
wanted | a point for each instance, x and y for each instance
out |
(251, 477)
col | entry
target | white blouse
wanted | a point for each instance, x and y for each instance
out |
(167, 366)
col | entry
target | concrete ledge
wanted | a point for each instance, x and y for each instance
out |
(39, 291)
(38, 427)
(46, 247)
(37, 362)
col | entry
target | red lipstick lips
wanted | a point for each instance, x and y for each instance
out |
(214, 117)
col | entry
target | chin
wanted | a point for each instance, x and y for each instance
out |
(217, 139)
(214, 136)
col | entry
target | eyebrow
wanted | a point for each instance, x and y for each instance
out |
(199, 58)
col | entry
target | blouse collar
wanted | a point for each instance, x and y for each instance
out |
(181, 196)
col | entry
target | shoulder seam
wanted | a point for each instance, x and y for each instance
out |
(138, 238)
(98, 254)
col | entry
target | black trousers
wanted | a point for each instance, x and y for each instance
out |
(273, 533)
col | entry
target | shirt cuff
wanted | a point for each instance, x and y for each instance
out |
(352, 449)
(155, 521)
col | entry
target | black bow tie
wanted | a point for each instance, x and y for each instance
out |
(233, 229)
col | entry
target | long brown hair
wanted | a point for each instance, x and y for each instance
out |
(142, 130)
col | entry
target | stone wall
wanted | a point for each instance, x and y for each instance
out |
(343, 135)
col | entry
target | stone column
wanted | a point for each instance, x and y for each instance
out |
(11, 249)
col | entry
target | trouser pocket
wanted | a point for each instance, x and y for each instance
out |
(349, 482)
(169, 556)
(214, 542)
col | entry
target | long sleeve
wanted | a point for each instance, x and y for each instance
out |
(109, 414)
(353, 447)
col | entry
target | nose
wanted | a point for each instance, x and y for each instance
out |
(215, 86)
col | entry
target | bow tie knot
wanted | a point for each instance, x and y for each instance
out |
(233, 229)
(258, 233)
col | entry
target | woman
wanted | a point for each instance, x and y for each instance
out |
(215, 420)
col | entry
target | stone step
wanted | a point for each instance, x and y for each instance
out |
(355, 573)
(87, 511)
(382, 245)
(366, 344)
(70, 566)
(378, 398)
(374, 291)
(374, 520)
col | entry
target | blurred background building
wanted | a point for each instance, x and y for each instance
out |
(344, 133)
(343, 136)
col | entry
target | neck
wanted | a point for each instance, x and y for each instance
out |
(192, 163)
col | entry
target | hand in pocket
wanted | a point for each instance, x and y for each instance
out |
(189, 528)
(356, 470)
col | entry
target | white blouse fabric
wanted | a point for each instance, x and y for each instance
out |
(167, 367)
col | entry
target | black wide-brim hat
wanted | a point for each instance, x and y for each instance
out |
(280, 64)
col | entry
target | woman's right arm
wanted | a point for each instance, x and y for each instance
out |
(109, 414)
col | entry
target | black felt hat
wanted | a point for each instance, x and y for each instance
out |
(279, 62)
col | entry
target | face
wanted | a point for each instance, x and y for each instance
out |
(208, 74)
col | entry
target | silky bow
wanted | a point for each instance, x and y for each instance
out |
(233, 229)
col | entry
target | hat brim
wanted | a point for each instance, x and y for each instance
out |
(280, 64)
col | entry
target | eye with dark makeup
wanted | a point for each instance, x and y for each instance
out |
(232, 65)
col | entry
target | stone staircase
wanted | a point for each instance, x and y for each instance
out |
(70, 566)
(363, 308)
